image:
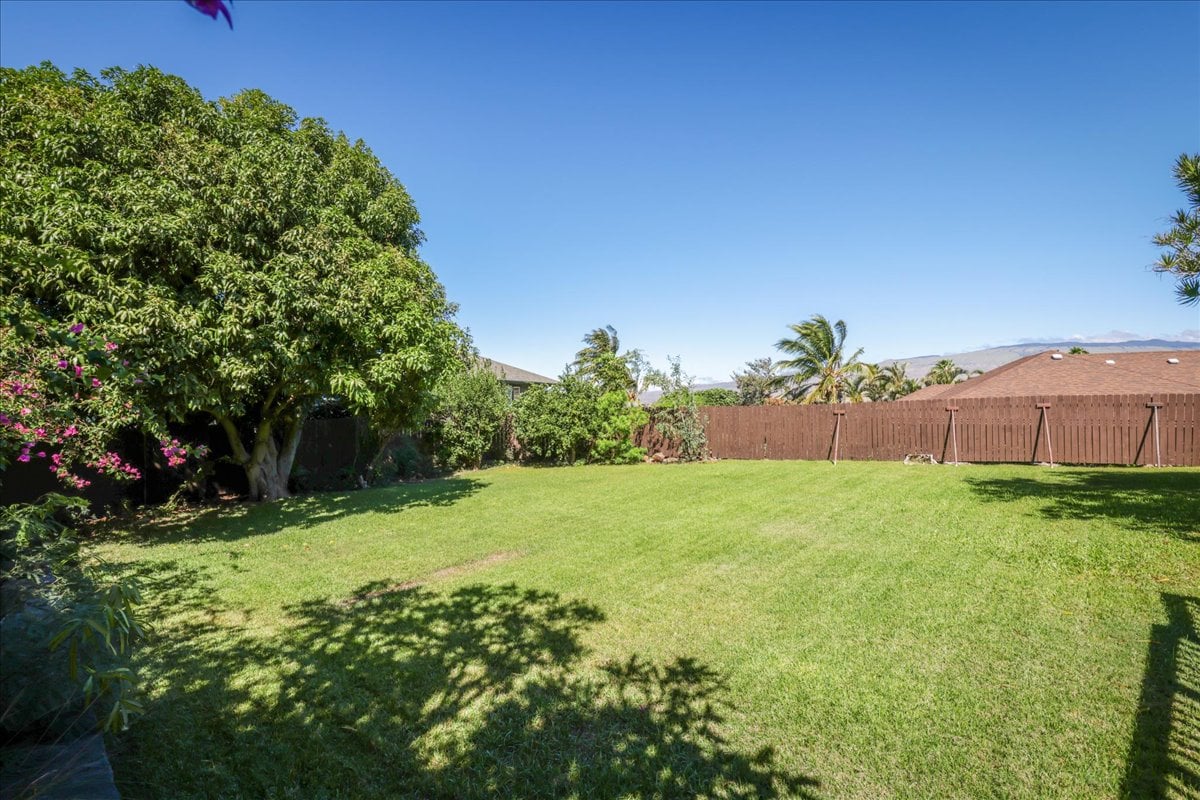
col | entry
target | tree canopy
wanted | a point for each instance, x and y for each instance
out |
(252, 261)
(1181, 257)
(757, 383)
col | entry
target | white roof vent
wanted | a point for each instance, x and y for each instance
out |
(1109, 361)
(1172, 360)
(1056, 356)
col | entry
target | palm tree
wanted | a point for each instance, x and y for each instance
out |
(873, 383)
(818, 371)
(896, 382)
(943, 372)
(602, 364)
(599, 341)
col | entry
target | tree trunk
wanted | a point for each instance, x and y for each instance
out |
(268, 464)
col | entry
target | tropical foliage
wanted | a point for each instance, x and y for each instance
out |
(944, 372)
(67, 631)
(1181, 257)
(250, 261)
(601, 362)
(818, 369)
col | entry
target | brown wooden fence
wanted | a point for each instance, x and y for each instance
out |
(1085, 429)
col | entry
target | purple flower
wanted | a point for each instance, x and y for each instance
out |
(95, 383)
(76, 328)
(23, 457)
(62, 363)
(78, 371)
(211, 8)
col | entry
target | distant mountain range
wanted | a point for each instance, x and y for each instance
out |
(992, 357)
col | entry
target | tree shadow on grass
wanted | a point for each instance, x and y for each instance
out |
(1158, 501)
(479, 692)
(237, 520)
(1164, 754)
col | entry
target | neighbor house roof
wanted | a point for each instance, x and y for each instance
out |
(1085, 373)
(510, 374)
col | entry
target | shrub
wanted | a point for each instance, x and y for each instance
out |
(557, 423)
(716, 397)
(402, 457)
(617, 421)
(471, 410)
(676, 416)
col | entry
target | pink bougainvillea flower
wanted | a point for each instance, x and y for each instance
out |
(95, 383)
(23, 457)
(110, 346)
(212, 8)
(25, 412)
(69, 431)
(78, 371)
(76, 328)
(62, 363)
(41, 454)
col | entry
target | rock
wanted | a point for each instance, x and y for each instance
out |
(657, 458)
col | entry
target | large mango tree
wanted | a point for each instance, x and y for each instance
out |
(250, 262)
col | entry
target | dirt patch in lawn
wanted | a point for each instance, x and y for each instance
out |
(437, 575)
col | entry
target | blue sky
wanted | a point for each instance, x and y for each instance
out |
(941, 176)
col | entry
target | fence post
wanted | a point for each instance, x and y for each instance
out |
(1154, 407)
(838, 413)
(1044, 425)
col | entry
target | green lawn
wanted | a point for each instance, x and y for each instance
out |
(735, 629)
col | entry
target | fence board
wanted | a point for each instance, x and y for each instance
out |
(1087, 429)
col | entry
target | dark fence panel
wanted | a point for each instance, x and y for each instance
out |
(1082, 429)
(329, 451)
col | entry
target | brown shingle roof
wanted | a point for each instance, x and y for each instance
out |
(510, 374)
(1089, 373)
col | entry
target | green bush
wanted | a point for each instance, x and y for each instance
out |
(573, 421)
(402, 457)
(472, 405)
(676, 416)
(716, 397)
(557, 423)
(617, 421)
